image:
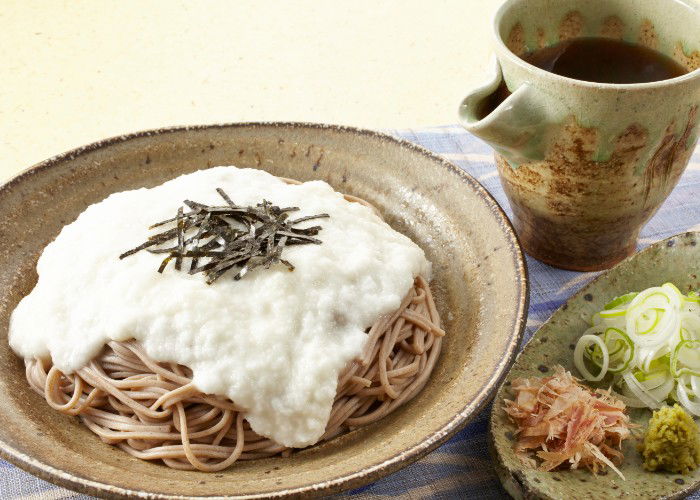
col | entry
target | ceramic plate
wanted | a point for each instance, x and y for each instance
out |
(479, 281)
(677, 260)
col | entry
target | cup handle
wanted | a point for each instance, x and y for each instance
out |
(517, 127)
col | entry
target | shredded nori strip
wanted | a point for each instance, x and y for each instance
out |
(224, 238)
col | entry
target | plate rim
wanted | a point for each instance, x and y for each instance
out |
(363, 476)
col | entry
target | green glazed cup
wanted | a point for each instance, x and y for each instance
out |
(585, 165)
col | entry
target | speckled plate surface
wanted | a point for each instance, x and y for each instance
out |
(479, 282)
(677, 260)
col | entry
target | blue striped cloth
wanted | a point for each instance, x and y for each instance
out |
(461, 468)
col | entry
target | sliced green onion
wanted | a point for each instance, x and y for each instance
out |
(676, 372)
(682, 393)
(622, 344)
(690, 323)
(651, 380)
(661, 392)
(647, 358)
(650, 342)
(619, 301)
(675, 294)
(660, 329)
(580, 363)
(640, 391)
(658, 314)
(612, 313)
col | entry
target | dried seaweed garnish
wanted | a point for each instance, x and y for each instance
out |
(223, 238)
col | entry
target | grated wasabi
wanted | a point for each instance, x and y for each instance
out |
(671, 442)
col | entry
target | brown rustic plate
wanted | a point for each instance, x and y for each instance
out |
(480, 283)
(675, 260)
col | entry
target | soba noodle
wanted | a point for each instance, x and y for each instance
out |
(152, 410)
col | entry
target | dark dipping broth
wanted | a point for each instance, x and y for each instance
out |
(596, 59)
(605, 60)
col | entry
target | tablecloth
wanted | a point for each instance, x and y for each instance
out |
(461, 468)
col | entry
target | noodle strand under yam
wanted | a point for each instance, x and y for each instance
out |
(152, 410)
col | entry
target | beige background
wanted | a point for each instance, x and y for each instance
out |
(73, 72)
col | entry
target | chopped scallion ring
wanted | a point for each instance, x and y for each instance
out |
(650, 343)
(578, 357)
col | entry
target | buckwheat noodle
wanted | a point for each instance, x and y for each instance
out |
(152, 410)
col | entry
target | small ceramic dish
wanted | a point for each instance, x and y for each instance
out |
(479, 282)
(673, 260)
